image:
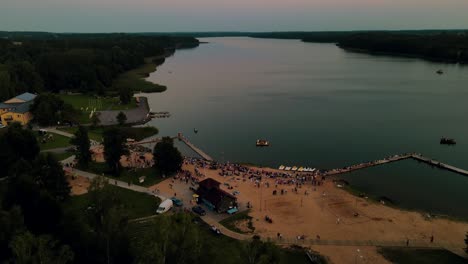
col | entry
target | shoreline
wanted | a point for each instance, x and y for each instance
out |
(377, 195)
(324, 210)
(399, 55)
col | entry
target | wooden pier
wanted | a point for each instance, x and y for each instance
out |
(181, 137)
(149, 141)
(439, 164)
(395, 158)
(368, 164)
(194, 148)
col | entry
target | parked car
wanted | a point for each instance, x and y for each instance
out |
(177, 202)
(198, 210)
(165, 206)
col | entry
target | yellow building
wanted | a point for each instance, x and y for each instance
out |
(17, 109)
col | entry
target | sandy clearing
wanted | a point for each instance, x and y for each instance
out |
(329, 212)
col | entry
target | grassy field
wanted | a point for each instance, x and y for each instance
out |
(83, 101)
(62, 156)
(403, 255)
(87, 103)
(135, 204)
(135, 81)
(229, 250)
(58, 141)
(137, 133)
(230, 222)
(93, 133)
(152, 176)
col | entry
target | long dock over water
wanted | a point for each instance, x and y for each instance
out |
(181, 137)
(395, 158)
(194, 148)
(439, 164)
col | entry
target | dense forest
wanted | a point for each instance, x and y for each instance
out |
(37, 62)
(446, 46)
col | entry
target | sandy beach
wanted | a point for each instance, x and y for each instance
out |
(329, 213)
(324, 213)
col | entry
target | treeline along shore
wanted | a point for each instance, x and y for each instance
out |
(85, 63)
(437, 45)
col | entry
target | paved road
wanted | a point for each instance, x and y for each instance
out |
(56, 150)
(137, 115)
(118, 183)
(56, 131)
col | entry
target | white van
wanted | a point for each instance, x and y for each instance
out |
(165, 206)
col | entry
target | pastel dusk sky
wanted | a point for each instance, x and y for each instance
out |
(234, 15)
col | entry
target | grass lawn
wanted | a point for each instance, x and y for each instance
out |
(152, 176)
(230, 222)
(83, 101)
(93, 133)
(135, 204)
(62, 156)
(58, 141)
(135, 81)
(87, 103)
(404, 255)
(137, 133)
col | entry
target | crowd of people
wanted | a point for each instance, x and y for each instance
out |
(254, 175)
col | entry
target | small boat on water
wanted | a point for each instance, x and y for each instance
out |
(447, 141)
(281, 167)
(294, 168)
(300, 169)
(287, 168)
(262, 143)
(440, 72)
(195, 130)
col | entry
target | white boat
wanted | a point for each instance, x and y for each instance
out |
(294, 168)
(281, 167)
(314, 169)
(288, 168)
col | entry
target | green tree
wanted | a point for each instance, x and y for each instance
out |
(109, 220)
(121, 118)
(114, 148)
(175, 239)
(11, 222)
(27, 248)
(49, 109)
(125, 94)
(6, 87)
(81, 141)
(167, 158)
(48, 174)
(17, 144)
(24, 77)
(258, 252)
(41, 209)
(95, 121)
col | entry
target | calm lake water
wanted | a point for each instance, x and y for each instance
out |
(323, 107)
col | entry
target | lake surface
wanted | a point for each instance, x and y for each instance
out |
(320, 106)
